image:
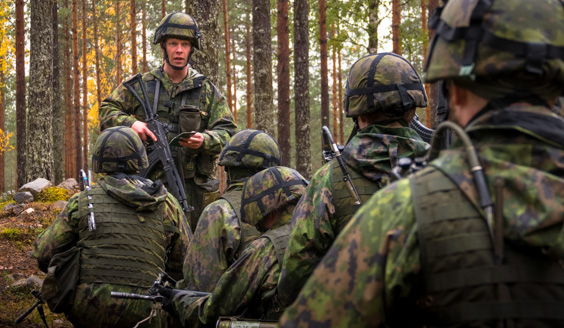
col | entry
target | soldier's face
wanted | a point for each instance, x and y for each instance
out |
(178, 51)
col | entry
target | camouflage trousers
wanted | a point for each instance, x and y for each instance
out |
(200, 192)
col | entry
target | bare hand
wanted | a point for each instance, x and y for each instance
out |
(194, 142)
(143, 131)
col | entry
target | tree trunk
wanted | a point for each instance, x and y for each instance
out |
(434, 94)
(144, 36)
(40, 136)
(425, 47)
(262, 68)
(97, 54)
(133, 17)
(163, 8)
(20, 96)
(227, 55)
(117, 6)
(283, 34)
(301, 87)
(249, 75)
(206, 14)
(234, 74)
(76, 90)
(69, 131)
(2, 127)
(334, 90)
(373, 26)
(324, 69)
(396, 22)
(340, 87)
(84, 163)
(58, 113)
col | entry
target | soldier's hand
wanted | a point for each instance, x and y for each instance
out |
(143, 131)
(196, 141)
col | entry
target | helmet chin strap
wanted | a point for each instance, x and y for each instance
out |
(178, 68)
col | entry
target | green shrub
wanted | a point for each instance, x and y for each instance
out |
(53, 194)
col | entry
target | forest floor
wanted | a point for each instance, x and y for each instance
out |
(17, 234)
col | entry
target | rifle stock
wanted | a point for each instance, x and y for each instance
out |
(159, 149)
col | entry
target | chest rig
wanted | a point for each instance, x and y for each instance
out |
(127, 247)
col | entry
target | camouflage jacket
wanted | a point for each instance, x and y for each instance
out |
(372, 152)
(63, 234)
(371, 275)
(217, 242)
(217, 123)
(241, 290)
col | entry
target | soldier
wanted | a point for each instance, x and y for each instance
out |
(383, 91)
(245, 289)
(429, 250)
(220, 236)
(186, 101)
(139, 232)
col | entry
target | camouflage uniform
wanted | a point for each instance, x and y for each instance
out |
(326, 206)
(220, 236)
(100, 274)
(420, 252)
(246, 287)
(193, 104)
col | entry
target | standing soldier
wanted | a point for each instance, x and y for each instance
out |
(220, 236)
(476, 238)
(186, 101)
(247, 287)
(383, 91)
(138, 232)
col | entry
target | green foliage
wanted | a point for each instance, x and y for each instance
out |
(53, 194)
(13, 234)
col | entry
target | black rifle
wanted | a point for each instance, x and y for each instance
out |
(159, 151)
(38, 305)
(328, 137)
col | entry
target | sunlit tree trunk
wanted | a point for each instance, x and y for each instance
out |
(283, 36)
(207, 13)
(226, 38)
(40, 136)
(301, 87)
(117, 7)
(69, 122)
(396, 22)
(323, 58)
(262, 67)
(133, 23)
(340, 87)
(20, 96)
(248, 67)
(373, 22)
(58, 113)
(144, 36)
(76, 90)
(234, 74)
(163, 8)
(84, 163)
(334, 90)
(97, 53)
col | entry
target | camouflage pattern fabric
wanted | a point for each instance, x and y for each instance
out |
(240, 289)
(216, 243)
(371, 275)
(314, 225)
(92, 304)
(121, 108)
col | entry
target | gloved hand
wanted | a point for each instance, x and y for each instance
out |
(167, 294)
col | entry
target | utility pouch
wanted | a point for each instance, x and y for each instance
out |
(59, 286)
(189, 118)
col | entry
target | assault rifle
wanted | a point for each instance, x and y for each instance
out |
(38, 305)
(232, 322)
(159, 151)
(336, 153)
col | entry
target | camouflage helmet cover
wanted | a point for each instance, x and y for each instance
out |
(119, 149)
(383, 82)
(252, 149)
(520, 41)
(270, 190)
(178, 25)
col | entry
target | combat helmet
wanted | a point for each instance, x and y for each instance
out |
(383, 82)
(251, 149)
(499, 48)
(119, 149)
(270, 190)
(178, 25)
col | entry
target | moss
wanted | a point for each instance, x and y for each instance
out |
(13, 234)
(53, 194)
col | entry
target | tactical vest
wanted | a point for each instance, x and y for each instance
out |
(248, 232)
(342, 200)
(279, 237)
(122, 249)
(463, 285)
